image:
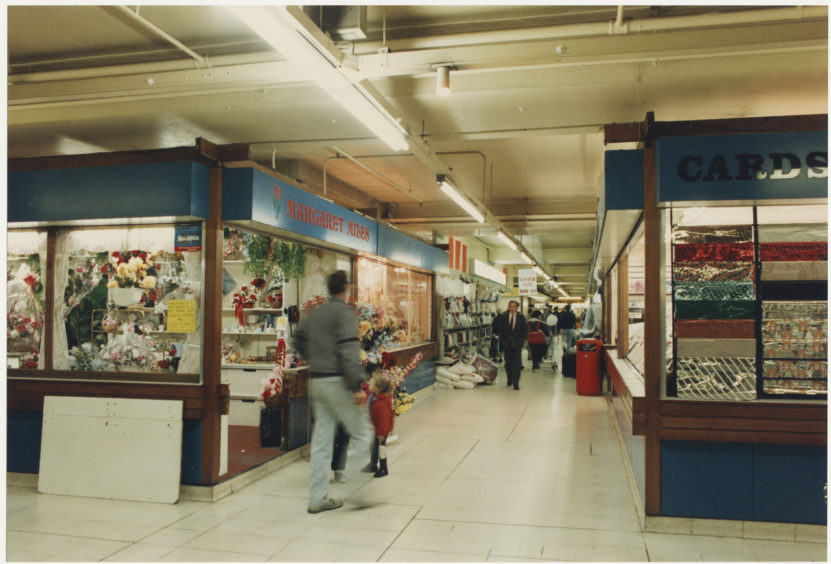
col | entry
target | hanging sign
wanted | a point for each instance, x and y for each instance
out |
(181, 316)
(457, 253)
(188, 237)
(527, 281)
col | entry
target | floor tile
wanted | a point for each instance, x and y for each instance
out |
(316, 551)
(238, 543)
(408, 555)
(201, 555)
(58, 548)
(140, 552)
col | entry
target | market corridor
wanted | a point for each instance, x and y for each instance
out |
(490, 474)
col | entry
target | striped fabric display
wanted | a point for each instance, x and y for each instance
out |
(795, 310)
(790, 251)
(798, 369)
(803, 387)
(704, 234)
(795, 349)
(714, 291)
(715, 329)
(714, 252)
(713, 272)
(807, 330)
(803, 233)
(795, 271)
(714, 310)
(717, 378)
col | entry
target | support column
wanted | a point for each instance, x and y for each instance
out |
(212, 332)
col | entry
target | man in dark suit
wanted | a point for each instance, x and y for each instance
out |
(513, 330)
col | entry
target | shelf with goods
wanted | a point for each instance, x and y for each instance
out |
(759, 285)
(466, 325)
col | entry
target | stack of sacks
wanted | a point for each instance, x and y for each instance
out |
(457, 376)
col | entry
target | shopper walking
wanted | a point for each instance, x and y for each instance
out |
(537, 335)
(512, 334)
(551, 321)
(568, 322)
(339, 453)
(328, 340)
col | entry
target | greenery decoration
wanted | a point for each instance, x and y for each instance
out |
(259, 261)
(291, 258)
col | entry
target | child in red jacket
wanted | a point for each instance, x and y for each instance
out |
(382, 415)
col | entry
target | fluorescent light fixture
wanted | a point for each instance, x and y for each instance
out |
(507, 240)
(451, 191)
(539, 271)
(479, 268)
(526, 258)
(283, 32)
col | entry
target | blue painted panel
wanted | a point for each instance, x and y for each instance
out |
(624, 180)
(399, 247)
(423, 375)
(129, 191)
(707, 480)
(191, 451)
(765, 166)
(788, 483)
(251, 195)
(23, 432)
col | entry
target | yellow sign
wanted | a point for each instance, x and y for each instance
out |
(181, 316)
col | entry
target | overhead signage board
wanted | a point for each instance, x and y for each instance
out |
(527, 281)
(252, 195)
(747, 167)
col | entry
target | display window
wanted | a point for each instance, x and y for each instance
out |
(268, 283)
(25, 298)
(634, 306)
(127, 300)
(394, 304)
(750, 302)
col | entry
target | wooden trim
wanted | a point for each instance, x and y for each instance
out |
(110, 159)
(212, 332)
(653, 337)
(123, 377)
(635, 406)
(637, 132)
(48, 346)
(768, 423)
(27, 395)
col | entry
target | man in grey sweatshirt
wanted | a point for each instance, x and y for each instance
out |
(327, 338)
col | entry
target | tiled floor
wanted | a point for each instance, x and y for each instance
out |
(490, 474)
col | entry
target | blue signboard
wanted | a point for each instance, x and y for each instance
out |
(758, 167)
(119, 191)
(251, 195)
(624, 180)
(406, 250)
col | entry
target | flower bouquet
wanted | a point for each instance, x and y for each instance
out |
(272, 387)
(246, 298)
(130, 274)
(24, 313)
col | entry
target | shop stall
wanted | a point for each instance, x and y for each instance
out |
(107, 291)
(180, 275)
(718, 298)
(281, 243)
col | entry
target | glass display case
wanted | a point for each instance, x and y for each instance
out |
(750, 302)
(127, 300)
(395, 305)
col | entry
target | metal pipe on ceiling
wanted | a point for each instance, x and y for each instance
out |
(202, 61)
(368, 169)
(635, 25)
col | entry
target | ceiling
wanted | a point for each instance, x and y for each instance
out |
(521, 134)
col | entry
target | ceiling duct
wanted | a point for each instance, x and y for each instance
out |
(346, 23)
